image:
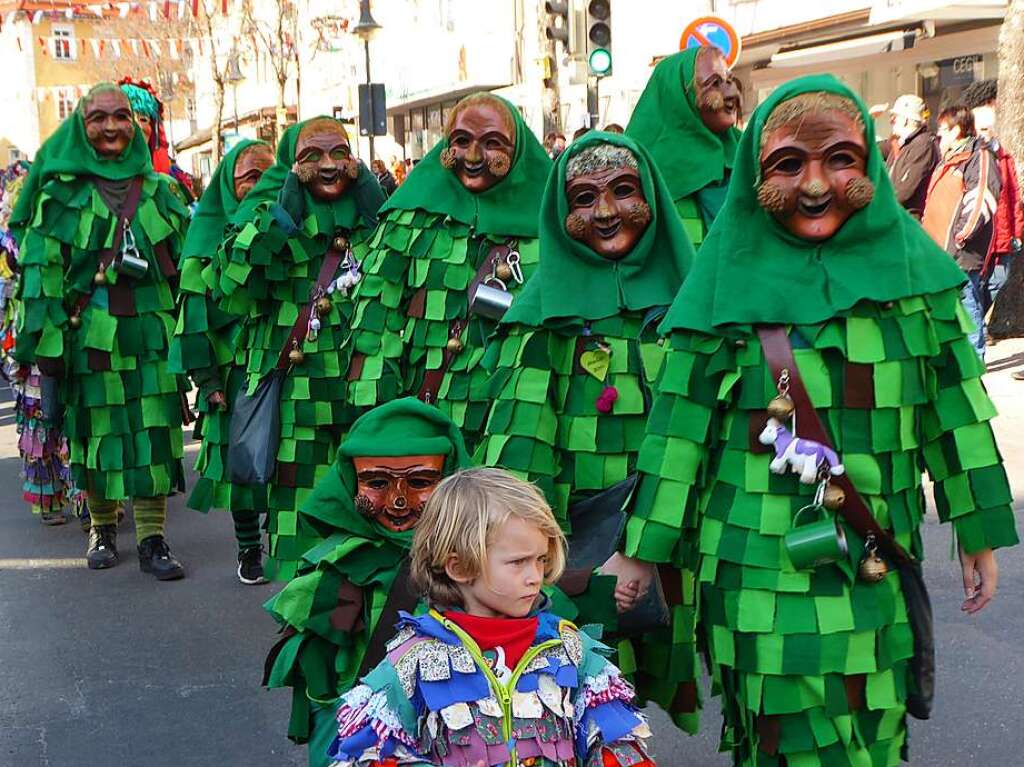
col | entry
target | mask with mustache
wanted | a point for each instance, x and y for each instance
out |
(718, 94)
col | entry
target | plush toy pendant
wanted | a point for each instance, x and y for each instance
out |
(606, 401)
(872, 568)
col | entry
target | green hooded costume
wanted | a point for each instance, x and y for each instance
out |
(330, 610)
(879, 340)
(694, 162)
(433, 237)
(266, 270)
(123, 406)
(205, 340)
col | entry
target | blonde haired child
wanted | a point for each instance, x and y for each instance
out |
(489, 677)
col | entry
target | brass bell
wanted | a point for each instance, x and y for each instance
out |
(833, 498)
(100, 278)
(872, 568)
(781, 407)
(295, 356)
(503, 272)
(75, 321)
(340, 243)
(454, 345)
(323, 306)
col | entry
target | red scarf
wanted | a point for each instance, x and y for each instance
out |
(513, 635)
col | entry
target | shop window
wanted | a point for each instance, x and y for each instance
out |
(65, 103)
(63, 43)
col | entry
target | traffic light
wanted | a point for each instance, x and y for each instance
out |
(599, 37)
(558, 25)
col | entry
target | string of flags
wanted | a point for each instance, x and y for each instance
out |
(173, 48)
(73, 93)
(155, 9)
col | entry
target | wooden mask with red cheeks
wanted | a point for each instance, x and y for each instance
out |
(393, 491)
(719, 96)
(109, 123)
(323, 159)
(813, 165)
(481, 142)
(607, 208)
(251, 164)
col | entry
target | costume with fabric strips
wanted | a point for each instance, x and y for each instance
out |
(440, 697)
(331, 608)
(694, 162)
(123, 406)
(267, 270)
(812, 665)
(433, 237)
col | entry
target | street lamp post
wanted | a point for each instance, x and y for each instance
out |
(365, 30)
(234, 76)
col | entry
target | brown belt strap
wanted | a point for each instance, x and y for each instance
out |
(855, 512)
(400, 598)
(328, 268)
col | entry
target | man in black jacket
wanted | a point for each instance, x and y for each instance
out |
(914, 154)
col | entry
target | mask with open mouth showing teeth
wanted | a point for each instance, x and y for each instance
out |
(719, 94)
(481, 143)
(109, 124)
(393, 491)
(323, 159)
(813, 165)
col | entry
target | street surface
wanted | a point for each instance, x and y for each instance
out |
(114, 668)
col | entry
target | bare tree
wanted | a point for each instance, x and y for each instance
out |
(1011, 81)
(219, 59)
(276, 36)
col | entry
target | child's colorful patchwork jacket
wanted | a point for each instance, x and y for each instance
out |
(438, 699)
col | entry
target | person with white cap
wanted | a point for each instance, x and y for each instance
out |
(914, 154)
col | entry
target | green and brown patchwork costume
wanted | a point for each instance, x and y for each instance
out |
(433, 237)
(204, 344)
(812, 664)
(266, 271)
(331, 608)
(123, 405)
(694, 162)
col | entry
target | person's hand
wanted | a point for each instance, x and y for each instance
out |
(626, 596)
(218, 400)
(632, 576)
(981, 577)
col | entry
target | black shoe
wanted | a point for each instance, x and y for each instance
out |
(156, 559)
(250, 566)
(102, 551)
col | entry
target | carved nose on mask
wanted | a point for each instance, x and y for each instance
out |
(815, 188)
(400, 502)
(473, 154)
(604, 209)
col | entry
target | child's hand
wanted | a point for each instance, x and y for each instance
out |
(626, 596)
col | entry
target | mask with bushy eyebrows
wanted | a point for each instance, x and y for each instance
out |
(393, 491)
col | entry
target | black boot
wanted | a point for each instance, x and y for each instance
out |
(102, 551)
(156, 558)
(250, 566)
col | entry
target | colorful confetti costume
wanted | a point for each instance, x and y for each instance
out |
(331, 608)
(694, 162)
(266, 272)
(123, 406)
(433, 237)
(812, 664)
(204, 345)
(438, 699)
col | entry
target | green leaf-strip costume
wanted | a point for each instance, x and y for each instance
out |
(880, 345)
(694, 161)
(320, 658)
(123, 404)
(265, 274)
(433, 237)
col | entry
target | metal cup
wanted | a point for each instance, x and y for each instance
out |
(490, 302)
(815, 543)
(131, 266)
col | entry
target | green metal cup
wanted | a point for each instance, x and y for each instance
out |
(815, 543)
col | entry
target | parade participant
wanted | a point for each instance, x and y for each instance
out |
(100, 235)
(364, 510)
(286, 269)
(204, 345)
(466, 215)
(686, 118)
(813, 662)
(489, 676)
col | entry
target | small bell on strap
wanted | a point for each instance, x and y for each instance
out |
(75, 321)
(503, 272)
(781, 406)
(833, 498)
(872, 568)
(323, 306)
(100, 278)
(454, 345)
(340, 242)
(295, 356)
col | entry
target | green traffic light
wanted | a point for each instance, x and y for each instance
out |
(600, 61)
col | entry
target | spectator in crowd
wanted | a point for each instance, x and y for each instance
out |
(554, 143)
(614, 128)
(580, 132)
(912, 153)
(384, 178)
(961, 204)
(398, 170)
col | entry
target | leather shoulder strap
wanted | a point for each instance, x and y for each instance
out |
(328, 268)
(855, 511)
(400, 598)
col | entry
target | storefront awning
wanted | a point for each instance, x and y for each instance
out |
(434, 96)
(889, 11)
(852, 48)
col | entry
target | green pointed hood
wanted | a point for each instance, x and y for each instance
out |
(509, 208)
(751, 270)
(572, 282)
(666, 121)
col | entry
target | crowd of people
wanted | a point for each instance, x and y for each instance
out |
(675, 383)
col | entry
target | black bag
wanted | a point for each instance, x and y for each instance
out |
(922, 666)
(256, 432)
(50, 401)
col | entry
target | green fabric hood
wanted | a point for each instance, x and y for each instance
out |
(689, 155)
(572, 282)
(509, 208)
(751, 270)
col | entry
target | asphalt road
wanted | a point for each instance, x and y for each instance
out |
(114, 668)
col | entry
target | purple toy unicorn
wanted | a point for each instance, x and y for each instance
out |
(801, 456)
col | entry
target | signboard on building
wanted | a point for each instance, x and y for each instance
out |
(959, 71)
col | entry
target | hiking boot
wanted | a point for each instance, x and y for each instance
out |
(102, 552)
(250, 566)
(156, 559)
(53, 517)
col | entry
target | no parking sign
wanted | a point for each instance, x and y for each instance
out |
(712, 30)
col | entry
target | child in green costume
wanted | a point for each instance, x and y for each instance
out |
(686, 118)
(204, 345)
(316, 197)
(332, 607)
(468, 208)
(812, 664)
(105, 328)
